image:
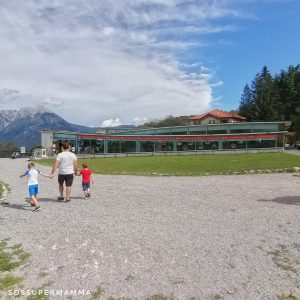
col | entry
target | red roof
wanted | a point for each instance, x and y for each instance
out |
(218, 114)
(291, 133)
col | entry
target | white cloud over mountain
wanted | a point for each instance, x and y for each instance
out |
(97, 60)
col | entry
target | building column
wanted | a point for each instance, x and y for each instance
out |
(76, 144)
(137, 146)
(105, 150)
(174, 145)
(220, 142)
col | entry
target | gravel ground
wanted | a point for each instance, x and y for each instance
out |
(214, 237)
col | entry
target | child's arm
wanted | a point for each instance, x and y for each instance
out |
(92, 179)
(55, 166)
(25, 174)
(45, 175)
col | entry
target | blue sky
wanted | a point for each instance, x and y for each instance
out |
(270, 40)
(99, 62)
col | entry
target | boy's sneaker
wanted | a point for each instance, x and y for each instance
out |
(68, 199)
(37, 209)
(60, 198)
(88, 195)
(31, 204)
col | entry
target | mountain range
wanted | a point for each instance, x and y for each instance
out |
(23, 126)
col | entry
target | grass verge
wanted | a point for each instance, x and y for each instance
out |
(1, 189)
(10, 259)
(287, 257)
(9, 281)
(192, 165)
(3, 192)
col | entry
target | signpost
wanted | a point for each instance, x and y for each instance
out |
(23, 150)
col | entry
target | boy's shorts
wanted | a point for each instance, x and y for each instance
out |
(85, 186)
(33, 189)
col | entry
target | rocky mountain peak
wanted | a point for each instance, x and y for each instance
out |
(23, 126)
(31, 111)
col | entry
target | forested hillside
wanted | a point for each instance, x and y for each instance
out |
(167, 122)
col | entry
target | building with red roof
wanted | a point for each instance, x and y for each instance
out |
(216, 116)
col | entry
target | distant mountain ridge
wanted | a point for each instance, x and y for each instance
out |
(23, 126)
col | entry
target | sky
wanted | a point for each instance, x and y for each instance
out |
(112, 62)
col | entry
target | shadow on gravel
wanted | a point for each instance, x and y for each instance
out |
(43, 200)
(289, 200)
(17, 206)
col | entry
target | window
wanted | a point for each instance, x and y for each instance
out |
(212, 122)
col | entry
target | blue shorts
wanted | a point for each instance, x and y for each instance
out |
(33, 189)
(85, 186)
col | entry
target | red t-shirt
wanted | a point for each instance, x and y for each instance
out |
(86, 175)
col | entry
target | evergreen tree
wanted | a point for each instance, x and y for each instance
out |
(273, 99)
(288, 87)
(285, 86)
(265, 98)
(246, 105)
(295, 102)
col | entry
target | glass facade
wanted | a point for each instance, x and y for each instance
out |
(236, 136)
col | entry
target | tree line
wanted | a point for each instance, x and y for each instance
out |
(273, 98)
(167, 122)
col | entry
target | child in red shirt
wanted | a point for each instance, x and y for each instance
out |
(87, 178)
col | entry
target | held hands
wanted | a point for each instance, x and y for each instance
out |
(45, 175)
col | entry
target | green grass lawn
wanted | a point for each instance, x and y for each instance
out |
(190, 165)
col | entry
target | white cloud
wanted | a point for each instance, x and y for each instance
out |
(111, 123)
(52, 101)
(94, 60)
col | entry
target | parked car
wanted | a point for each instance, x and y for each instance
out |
(16, 154)
(298, 145)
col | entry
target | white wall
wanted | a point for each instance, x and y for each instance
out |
(46, 139)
